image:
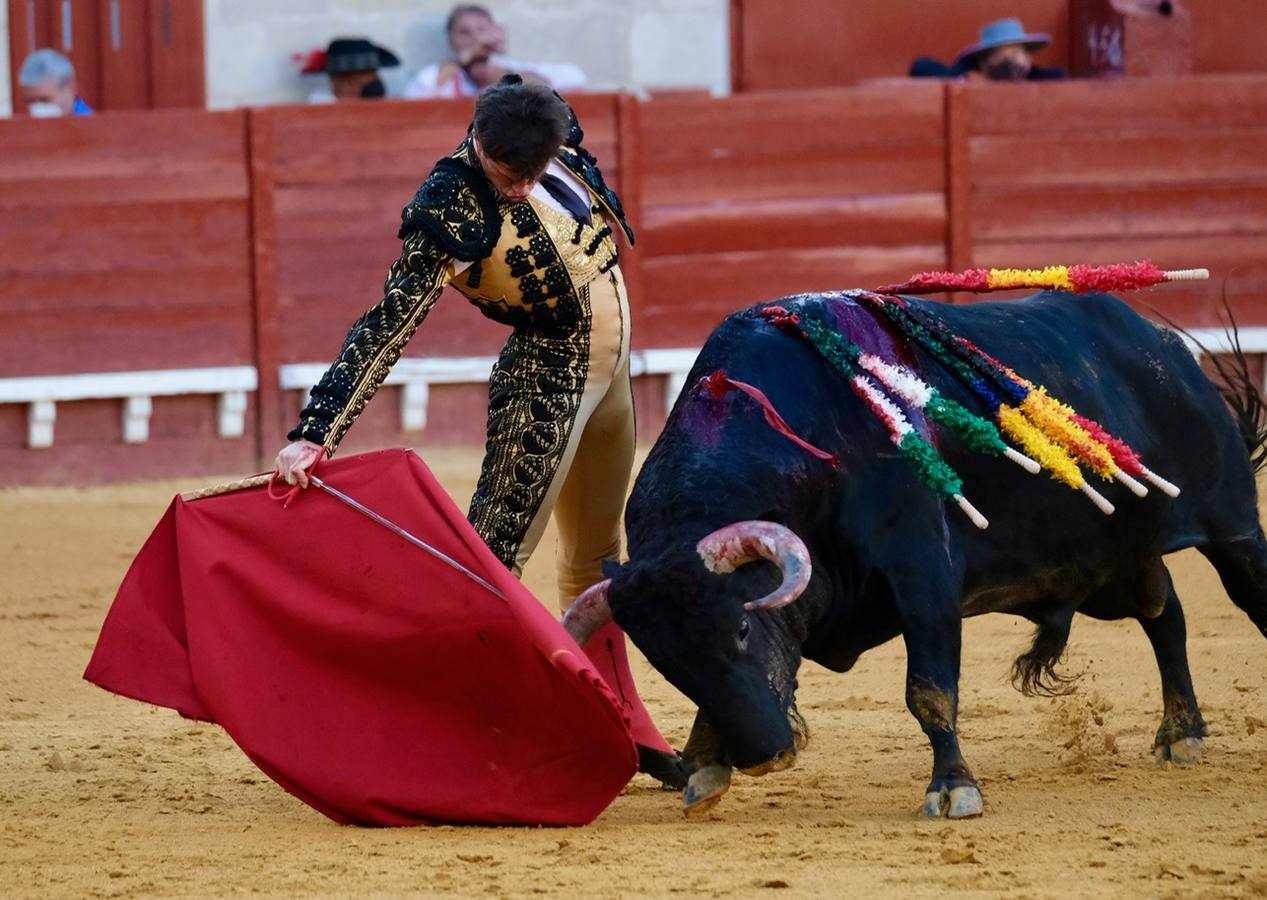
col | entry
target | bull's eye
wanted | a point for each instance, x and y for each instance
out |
(744, 627)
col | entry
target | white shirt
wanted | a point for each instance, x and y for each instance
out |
(562, 77)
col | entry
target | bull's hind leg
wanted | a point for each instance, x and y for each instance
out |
(1242, 566)
(1148, 595)
(1182, 727)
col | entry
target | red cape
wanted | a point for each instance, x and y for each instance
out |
(369, 679)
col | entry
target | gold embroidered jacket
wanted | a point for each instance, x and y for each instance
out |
(528, 265)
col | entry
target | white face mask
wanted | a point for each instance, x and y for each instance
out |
(42, 110)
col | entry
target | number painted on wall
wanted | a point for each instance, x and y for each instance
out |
(1105, 44)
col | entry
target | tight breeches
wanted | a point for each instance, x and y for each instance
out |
(561, 440)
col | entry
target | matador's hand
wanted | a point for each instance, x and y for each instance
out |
(294, 461)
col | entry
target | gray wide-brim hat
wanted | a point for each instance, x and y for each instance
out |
(1001, 33)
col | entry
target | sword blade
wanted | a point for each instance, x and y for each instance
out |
(396, 529)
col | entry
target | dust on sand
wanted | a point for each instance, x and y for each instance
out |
(101, 796)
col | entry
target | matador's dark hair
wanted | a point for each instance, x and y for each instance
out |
(522, 126)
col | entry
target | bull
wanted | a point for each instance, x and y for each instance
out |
(868, 553)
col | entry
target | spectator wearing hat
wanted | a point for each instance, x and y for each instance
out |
(47, 80)
(352, 64)
(1005, 53)
(478, 45)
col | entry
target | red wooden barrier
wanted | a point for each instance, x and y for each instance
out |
(124, 245)
(176, 240)
(1169, 169)
(756, 196)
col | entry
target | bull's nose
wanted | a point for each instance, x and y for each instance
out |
(784, 759)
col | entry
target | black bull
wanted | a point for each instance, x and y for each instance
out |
(889, 558)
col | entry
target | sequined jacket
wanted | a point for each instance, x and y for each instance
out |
(528, 265)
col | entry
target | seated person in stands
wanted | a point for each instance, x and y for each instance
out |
(1004, 53)
(47, 80)
(352, 65)
(478, 43)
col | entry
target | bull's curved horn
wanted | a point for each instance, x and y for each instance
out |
(728, 548)
(588, 613)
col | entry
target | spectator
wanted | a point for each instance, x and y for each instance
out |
(927, 67)
(1004, 53)
(478, 44)
(47, 80)
(352, 64)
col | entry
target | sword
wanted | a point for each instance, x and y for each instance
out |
(393, 527)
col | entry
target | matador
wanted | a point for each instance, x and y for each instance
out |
(520, 220)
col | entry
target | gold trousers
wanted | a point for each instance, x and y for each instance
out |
(561, 440)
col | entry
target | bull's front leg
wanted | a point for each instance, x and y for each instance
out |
(931, 629)
(709, 772)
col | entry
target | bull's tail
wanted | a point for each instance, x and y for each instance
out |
(1034, 671)
(1242, 394)
(1236, 385)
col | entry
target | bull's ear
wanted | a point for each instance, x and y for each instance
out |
(610, 568)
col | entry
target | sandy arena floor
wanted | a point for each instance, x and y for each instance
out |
(101, 796)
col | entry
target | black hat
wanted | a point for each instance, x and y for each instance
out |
(357, 55)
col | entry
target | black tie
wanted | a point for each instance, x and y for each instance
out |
(557, 188)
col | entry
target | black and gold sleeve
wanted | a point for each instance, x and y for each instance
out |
(375, 341)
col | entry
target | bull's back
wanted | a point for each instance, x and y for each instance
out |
(1142, 384)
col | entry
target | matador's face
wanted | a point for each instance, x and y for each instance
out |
(508, 183)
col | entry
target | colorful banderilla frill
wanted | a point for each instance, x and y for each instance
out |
(877, 382)
(1077, 279)
(1047, 429)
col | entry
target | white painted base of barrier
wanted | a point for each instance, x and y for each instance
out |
(1219, 340)
(137, 390)
(415, 377)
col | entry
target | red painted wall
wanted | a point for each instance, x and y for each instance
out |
(828, 42)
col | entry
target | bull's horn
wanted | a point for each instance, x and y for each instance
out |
(728, 548)
(588, 613)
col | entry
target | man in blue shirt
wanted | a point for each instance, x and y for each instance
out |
(47, 80)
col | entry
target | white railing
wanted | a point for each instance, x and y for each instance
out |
(1218, 340)
(415, 377)
(42, 393)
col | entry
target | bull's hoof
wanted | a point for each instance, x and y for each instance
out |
(1183, 752)
(954, 803)
(784, 759)
(666, 768)
(705, 788)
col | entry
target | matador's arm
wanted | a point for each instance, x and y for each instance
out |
(375, 342)
(453, 219)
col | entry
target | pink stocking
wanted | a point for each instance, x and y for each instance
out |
(606, 650)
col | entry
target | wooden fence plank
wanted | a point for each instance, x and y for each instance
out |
(1155, 105)
(1110, 211)
(1152, 159)
(791, 223)
(265, 324)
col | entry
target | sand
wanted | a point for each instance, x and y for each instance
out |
(101, 796)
